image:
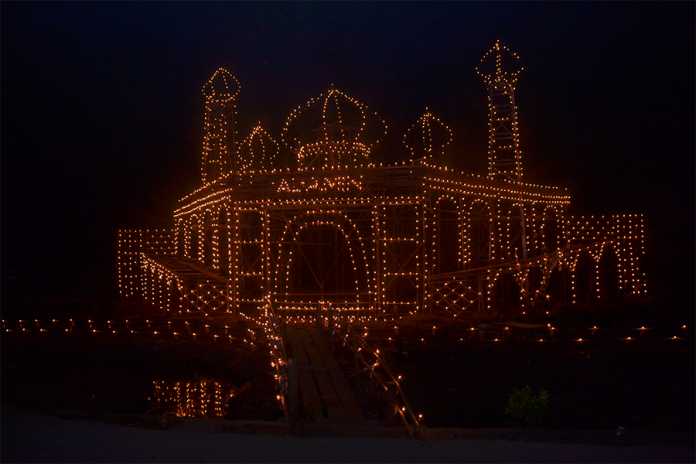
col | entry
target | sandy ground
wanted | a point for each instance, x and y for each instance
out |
(32, 437)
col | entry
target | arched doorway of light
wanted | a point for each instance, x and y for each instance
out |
(321, 261)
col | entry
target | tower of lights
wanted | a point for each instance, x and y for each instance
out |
(499, 70)
(220, 93)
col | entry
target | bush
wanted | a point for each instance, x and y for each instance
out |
(526, 407)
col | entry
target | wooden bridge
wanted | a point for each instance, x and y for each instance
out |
(318, 388)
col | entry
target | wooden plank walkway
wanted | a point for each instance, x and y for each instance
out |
(323, 386)
(310, 398)
(187, 269)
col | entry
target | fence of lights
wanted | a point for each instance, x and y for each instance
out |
(266, 333)
(130, 244)
(419, 235)
(162, 330)
(608, 244)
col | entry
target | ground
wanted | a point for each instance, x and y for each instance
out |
(64, 393)
(33, 437)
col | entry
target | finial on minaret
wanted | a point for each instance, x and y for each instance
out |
(499, 70)
(220, 93)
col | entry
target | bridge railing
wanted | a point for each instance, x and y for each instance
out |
(374, 362)
(270, 323)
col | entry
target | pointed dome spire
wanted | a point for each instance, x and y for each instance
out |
(333, 129)
(428, 137)
(258, 150)
(222, 86)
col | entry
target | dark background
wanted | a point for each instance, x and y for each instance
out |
(101, 112)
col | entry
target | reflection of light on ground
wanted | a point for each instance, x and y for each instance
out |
(201, 398)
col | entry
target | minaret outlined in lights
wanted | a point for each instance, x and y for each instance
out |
(219, 118)
(499, 70)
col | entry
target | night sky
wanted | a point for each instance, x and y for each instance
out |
(102, 112)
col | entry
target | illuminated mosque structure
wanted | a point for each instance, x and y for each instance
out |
(339, 230)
